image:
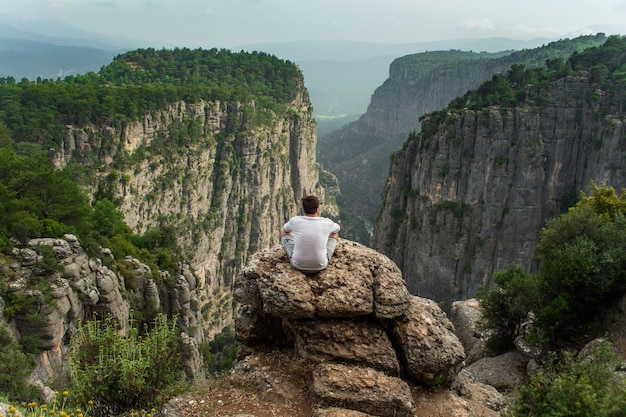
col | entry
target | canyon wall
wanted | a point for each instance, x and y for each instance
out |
(471, 198)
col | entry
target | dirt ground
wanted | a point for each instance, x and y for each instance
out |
(275, 385)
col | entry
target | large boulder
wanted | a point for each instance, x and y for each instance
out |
(466, 316)
(362, 389)
(431, 351)
(355, 322)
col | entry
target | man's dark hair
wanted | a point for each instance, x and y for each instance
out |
(310, 203)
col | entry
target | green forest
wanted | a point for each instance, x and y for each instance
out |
(37, 201)
(139, 82)
(605, 66)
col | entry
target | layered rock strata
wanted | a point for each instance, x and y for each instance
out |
(223, 175)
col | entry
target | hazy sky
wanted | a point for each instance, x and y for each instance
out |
(228, 23)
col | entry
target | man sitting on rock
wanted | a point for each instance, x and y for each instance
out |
(309, 240)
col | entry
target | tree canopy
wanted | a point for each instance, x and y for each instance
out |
(141, 81)
(605, 64)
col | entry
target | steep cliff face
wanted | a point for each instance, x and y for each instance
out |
(408, 93)
(358, 154)
(471, 198)
(226, 175)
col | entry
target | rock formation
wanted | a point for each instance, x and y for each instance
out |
(366, 337)
(471, 198)
(48, 293)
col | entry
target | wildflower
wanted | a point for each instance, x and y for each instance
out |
(65, 393)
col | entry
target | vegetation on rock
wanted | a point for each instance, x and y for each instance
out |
(582, 270)
(573, 386)
(126, 369)
(605, 65)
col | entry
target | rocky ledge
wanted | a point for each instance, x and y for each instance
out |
(366, 337)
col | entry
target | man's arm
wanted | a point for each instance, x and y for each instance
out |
(286, 230)
(335, 231)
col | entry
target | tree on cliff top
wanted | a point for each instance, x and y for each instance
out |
(608, 59)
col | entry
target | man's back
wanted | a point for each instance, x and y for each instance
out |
(310, 237)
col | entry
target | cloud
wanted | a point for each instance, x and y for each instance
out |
(480, 25)
(548, 31)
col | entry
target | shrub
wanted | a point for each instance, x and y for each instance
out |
(583, 265)
(125, 370)
(574, 387)
(582, 270)
(15, 368)
(506, 306)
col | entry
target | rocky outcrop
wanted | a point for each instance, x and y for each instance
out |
(466, 316)
(364, 335)
(52, 285)
(471, 198)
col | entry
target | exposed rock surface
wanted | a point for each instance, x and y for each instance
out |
(64, 286)
(358, 154)
(225, 192)
(364, 335)
(466, 316)
(471, 198)
(280, 382)
(336, 384)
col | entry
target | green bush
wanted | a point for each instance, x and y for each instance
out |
(583, 265)
(508, 305)
(582, 270)
(570, 387)
(15, 368)
(123, 369)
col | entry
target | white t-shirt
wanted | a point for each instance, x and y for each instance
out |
(310, 235)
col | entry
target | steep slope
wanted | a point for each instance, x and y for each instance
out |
(358, 154)
(468, 195)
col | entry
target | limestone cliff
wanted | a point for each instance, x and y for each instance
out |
(227, 191)
(470, 198)
(358, 154)
(53, 284)
(226, 175)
